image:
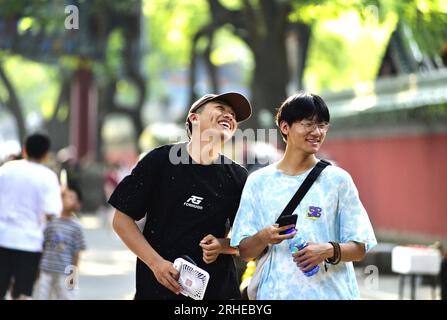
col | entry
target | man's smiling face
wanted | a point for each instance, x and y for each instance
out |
(217, 118)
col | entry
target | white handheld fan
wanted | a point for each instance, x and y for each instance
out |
(193, 279)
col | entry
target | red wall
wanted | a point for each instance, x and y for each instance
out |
(401, 180)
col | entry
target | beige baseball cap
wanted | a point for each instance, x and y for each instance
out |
(241, 106)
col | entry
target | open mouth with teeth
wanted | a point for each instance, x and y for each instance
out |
(313, 141)
(225, 124)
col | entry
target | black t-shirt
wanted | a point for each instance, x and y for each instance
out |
(184, 202)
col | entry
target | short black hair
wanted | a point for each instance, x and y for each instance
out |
(37, 145)
(72, 186)
(302, 106)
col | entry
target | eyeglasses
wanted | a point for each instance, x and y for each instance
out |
(311, 126)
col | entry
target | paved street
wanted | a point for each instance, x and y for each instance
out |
(107, 270)
(107, 266)
(385, 287)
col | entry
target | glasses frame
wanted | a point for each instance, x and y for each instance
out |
(309, 126)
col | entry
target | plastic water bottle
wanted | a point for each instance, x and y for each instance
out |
(296, 244)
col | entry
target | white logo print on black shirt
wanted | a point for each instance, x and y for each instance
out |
(194, 202)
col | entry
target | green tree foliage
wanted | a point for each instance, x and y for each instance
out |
(348, 38)
(105, 43)
(36, 84)
(169, 28)
(347, 49)
(427, 20)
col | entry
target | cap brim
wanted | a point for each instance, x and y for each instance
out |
(241, 106)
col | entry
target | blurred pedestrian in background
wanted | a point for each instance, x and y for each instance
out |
(29, 195)
(64, 239)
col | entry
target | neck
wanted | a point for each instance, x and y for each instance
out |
(34, 160)
(204, 152)
(294, 163)
(41, 160)
(67, 214)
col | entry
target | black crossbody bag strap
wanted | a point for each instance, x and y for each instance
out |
(305, 186)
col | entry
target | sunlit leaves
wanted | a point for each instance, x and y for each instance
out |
(127, 93)
(114, 49)
(36, 85)
(345, 51)
(171, 26)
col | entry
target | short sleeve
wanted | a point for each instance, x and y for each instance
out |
(133, 194)
(353, 218)
(241, 179)
(80, 240)
(51, 196)
(246, 223)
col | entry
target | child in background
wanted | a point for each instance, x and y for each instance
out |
(64, 239)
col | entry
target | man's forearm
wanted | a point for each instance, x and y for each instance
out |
(251, 247)
(352, 251)
(128, 231)
(76, 259)
(226, 248)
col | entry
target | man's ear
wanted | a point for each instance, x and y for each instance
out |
(284, 127)
(193, 117)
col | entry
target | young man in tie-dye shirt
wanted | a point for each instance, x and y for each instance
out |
(331, 211)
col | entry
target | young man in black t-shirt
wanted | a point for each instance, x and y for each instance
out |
(190, 193)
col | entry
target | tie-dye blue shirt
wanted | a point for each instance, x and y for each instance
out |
(330, 211)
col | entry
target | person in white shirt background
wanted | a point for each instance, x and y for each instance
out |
(29, 195)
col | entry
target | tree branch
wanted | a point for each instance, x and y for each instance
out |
(207, 31)
(243, 21)
(211, 68)
(63, 94)
(13, 104)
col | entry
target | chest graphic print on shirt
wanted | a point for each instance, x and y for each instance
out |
(57, 242)
(314, 213)
(194, 202)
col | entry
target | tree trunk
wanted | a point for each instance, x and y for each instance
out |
(131, 55)
(59, 130)
(132, 58)
(207, 31)
(193, 69)
(211, 68)
(263, 27)
(270, 76)
(268, 87)
(13, 104)
(304, 32)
